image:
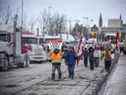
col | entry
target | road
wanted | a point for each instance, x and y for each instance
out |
(18, 79)
(116, 84)
(35, 80)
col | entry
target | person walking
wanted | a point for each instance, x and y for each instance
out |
(97, 55)
(85, 54)
(91, 57)
(70, 59)
(107, 59)
(56, 57)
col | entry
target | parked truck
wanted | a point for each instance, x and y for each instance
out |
(10, 48)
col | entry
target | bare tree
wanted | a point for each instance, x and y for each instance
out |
(51, 23)
(6, 15)
(44, 20)
(58, 23)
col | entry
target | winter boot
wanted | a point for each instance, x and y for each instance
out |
(53, 76)
(60, 76)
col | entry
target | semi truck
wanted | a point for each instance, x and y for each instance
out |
(10, 48)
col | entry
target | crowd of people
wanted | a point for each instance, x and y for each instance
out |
(90, 54)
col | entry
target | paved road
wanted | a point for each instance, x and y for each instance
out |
(35, 80)
(116, 84)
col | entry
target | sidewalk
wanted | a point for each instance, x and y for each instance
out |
(86, 82)
(116, 84)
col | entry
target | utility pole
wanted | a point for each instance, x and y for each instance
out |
(22, 11)
(15, 31)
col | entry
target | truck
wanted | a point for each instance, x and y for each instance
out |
(10, 49)
(31, 44)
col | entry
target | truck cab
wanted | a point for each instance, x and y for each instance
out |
(6, 50)
(9, 48)
(31, 45)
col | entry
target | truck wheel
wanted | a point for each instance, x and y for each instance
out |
(5, 63)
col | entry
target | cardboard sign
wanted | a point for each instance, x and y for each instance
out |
(55, 43)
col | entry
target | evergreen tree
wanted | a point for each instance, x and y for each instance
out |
(100, 20)
(121, 19)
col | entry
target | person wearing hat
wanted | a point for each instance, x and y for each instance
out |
(56, 58)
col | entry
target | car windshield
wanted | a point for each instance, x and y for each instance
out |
(29, 40)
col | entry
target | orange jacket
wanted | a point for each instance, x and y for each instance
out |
(56, 58)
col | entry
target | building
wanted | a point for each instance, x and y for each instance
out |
(114, 26)
(115, 23)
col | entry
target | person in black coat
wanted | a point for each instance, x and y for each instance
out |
(91, 57)
(85, 54)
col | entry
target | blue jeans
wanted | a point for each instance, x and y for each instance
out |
(71, 70)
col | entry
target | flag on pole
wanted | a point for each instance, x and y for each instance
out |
(78, 50)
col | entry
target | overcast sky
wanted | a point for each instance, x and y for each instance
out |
(73, 9)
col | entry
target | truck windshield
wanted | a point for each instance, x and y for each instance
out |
(29, 40)
(5, 37)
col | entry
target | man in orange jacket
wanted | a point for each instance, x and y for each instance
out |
(56, 58)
